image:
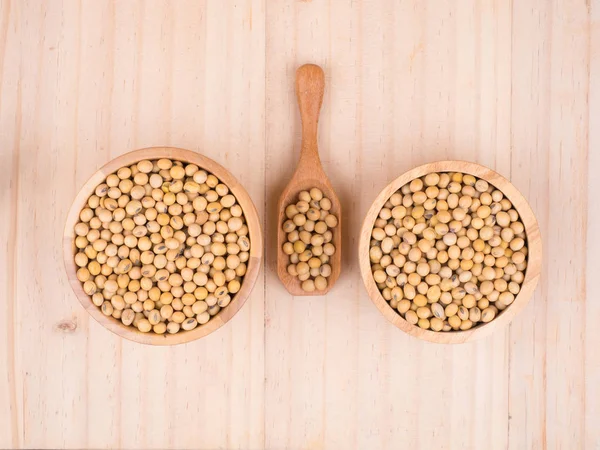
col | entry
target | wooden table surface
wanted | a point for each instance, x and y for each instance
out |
(514, 85)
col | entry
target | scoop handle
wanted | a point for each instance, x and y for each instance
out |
(310, 86)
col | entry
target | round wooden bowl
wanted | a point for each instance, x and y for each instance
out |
(534, 256)
(252, 220)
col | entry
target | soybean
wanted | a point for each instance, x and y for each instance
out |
(308, 226)
(155, 239)
(448, 252)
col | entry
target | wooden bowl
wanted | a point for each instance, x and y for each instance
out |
(254, 262)
(534, 256)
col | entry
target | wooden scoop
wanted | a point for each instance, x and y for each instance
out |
(310, 85)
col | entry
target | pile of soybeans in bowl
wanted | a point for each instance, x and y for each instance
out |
(162, 246)
(448, 252)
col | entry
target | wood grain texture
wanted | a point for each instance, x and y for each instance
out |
(310, 88)
(512, 85)
(534, 247)
(411, 83)
(82, 83)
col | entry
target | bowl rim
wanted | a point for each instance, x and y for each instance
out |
(534, 257)
(252, 221)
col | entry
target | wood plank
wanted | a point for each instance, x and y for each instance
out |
(549, 165)
(11, 427)
(592, 305)
(530, 107)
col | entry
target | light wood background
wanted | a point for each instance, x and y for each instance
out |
(514, 85)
